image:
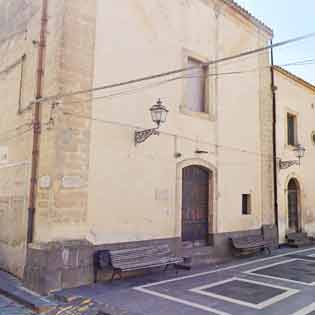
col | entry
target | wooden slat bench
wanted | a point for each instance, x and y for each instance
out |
(140, 258)
(251, 243)
(298, 239)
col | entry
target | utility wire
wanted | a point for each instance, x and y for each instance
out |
(12, 66)
(14, 130)
(12, 35)
(177, 71)
(15, 136)
(116, 123)
(156, 84)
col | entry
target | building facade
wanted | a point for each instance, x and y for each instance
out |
(295, 125)
(207, 176)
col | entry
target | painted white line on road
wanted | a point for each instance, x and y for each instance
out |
(201, 274)
(144, 288)
(306, 310)
(253, 272)
(259, 306)
(181, 301)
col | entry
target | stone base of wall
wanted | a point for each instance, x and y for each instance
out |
(59, 265)
(12, 259)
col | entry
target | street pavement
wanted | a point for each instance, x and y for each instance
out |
(280, 284)
(9, 307)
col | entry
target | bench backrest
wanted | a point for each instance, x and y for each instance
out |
(246, 240)
(297, 236)
(139, 254)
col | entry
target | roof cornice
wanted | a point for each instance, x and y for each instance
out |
(295, 78)
(248, 16)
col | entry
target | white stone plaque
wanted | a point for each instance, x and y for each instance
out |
(4, 152)
(45, 182)
(71, 182)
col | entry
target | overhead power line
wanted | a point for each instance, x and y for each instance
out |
(12, 66)
(12, 35)
(173, 72)
(13, 131)
(160, 83)
(131, 126)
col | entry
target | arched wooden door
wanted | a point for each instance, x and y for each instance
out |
(195, 204)
(293, 205)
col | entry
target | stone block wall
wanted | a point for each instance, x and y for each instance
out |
(62, 208)
(59, 265)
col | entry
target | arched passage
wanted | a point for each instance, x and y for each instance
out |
(293, 205)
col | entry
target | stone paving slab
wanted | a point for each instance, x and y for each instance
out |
(13, 289)
(8, 307)
(78, 306)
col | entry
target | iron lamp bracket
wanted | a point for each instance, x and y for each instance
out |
(141, 136)
(286, 164)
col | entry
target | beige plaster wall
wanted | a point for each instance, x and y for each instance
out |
(134, 191)
(15, 128)
(295, 98)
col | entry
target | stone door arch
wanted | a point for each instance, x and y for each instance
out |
(196, 201)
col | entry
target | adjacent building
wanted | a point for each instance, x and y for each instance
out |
(295, 126)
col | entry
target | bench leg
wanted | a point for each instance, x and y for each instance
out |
(176, 268)
(113, 276)
(116, 272)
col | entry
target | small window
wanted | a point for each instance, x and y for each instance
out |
(197, 86)
(246, 204)
(292, 132)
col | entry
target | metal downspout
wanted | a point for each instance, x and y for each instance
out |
(274, 140)
(37, 121)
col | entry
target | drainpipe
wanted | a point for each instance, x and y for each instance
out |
(274, 140)
(37, 121)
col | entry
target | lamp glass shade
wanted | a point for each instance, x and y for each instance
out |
(159, 113)
(299, 151)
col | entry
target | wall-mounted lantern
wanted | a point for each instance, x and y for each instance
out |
(158, 114)
(299, 151)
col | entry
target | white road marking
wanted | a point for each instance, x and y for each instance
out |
(144, 288)
(253, 272)
(181, 301)
(306, 310)
(201, 274)
(262, 305)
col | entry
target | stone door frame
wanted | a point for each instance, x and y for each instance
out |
(213, 193)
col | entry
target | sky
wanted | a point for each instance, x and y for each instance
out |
(288, 19)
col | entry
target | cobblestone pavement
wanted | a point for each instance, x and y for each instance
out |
(79, 306)
(8, 307)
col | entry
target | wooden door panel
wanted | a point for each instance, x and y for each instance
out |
(293, 210)
(195, 204)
